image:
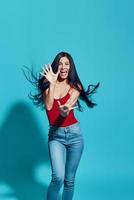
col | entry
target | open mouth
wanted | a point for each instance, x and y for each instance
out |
(63, 73)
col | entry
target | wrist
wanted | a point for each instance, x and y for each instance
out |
(53, 83)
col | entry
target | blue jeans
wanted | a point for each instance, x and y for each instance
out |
(65, 145)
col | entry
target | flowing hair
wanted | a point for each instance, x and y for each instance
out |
(41, 83)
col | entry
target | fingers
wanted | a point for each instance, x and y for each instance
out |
(64, 108)
(59, 103)
(42, 74)
(46, 69)
(50, 68)
(73, 107)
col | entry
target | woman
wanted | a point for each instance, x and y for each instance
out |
(59, 90)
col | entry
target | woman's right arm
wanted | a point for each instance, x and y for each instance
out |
(48, 95)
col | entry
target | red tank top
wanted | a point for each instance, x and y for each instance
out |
(55, 117)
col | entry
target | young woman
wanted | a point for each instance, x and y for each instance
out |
(59, 91)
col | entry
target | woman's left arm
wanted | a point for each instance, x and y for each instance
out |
(70, 104)
(73, 98)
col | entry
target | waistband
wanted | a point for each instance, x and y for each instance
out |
(66, 127)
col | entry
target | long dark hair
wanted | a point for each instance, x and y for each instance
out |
(41, 83)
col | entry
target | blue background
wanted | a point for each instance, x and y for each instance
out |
(100, 37)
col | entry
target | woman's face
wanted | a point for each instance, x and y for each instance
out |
(64, 66)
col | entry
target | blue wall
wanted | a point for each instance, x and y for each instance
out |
(100, 37)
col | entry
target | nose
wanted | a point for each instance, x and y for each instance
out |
(62, 66)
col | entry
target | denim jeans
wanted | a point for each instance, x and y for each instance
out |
(65, 146)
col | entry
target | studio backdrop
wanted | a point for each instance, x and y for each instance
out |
(100, 37)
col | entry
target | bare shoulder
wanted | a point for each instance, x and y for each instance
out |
(73, 90)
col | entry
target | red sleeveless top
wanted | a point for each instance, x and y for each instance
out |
(55, 117)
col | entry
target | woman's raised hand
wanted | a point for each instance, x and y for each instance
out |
(49, 74)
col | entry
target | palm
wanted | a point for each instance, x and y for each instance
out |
(49, 74)
(65, 109)
(51, 77)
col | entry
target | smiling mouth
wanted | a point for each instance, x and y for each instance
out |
(63, 72)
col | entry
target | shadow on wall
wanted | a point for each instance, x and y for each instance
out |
(22, 148)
